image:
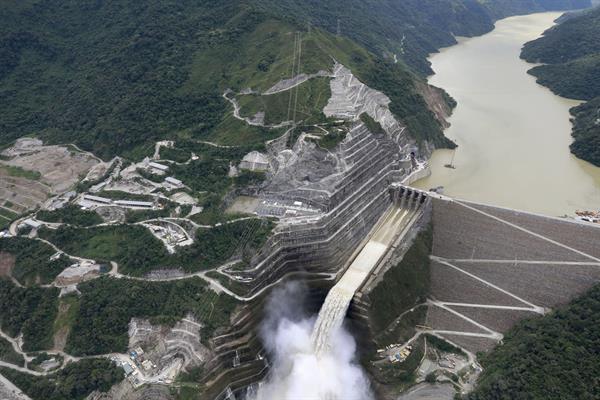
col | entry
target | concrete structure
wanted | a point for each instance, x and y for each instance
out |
(492, 267)
(485, 273)
(77, 273)
(97, 199)
(128, 369)
(134, 203)
(255, 161)
(173, 181)
(32, 223)
(157, 166)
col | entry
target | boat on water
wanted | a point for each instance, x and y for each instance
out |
(451, 165)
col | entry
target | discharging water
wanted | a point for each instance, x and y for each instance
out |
(316, 359)
(513, 134)
(336, 304)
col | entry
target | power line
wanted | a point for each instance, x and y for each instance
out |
(292, 76)
(299, 65)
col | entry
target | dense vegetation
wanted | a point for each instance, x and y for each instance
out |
(71, 214)
(215, 246)
(330, 140)
(30, 311)
(586, 131)
(583, 73)
(411, 29)
(133, 247)
(149, 70)
(107, 306)
(551, 357)
(137, 251)
(404, 285)
(75, 381)
(32, 260)
(572, 50)
(372, 125)
(9, 355)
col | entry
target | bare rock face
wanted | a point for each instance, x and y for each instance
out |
(350, 98)
(286, 84)
(307, 168)
(166, 346)
(436, 102)
(125, 391)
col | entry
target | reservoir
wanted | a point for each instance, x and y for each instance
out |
(513, 134)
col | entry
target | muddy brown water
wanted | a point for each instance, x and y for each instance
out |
(513, 134)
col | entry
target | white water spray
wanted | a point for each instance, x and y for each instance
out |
(315, 359)
(297, 372)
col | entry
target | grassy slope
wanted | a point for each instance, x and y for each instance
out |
(154, 69)
(72, 215)
(9, 355)
(572, 50)
(412, 29)
(312, 98)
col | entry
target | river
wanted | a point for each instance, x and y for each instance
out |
(513, 134)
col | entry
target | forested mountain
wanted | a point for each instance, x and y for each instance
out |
(114, 76)
(571, 54)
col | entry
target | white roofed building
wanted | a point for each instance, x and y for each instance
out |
(158, 166)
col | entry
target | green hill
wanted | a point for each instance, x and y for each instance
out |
(114, 76)
(551, 357)
(411, 29)
(571, 54)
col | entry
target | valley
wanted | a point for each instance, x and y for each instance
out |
(513, 135)
(232, 202)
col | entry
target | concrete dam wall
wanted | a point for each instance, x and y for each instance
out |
(492, 267)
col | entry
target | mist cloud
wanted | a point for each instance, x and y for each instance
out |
(296, 371)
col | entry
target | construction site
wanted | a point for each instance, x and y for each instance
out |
(490, 268)
(31, 172)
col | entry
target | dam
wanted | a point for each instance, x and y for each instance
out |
(338, 300)
(489, 267)
(356, 244)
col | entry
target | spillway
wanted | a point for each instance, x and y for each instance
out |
(336, 303)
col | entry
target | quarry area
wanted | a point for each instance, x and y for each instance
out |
(31, 172)
(328, 203)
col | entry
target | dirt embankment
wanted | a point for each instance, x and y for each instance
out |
(438, 101)
(7, 263)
